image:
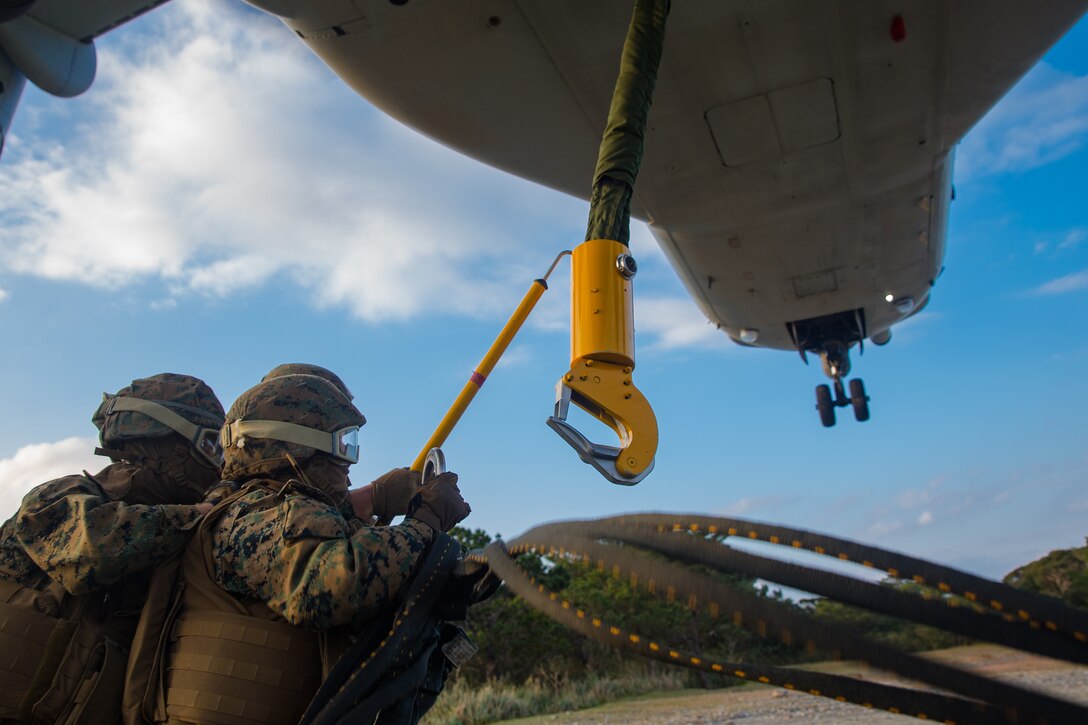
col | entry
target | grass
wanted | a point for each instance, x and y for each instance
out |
(463, 704)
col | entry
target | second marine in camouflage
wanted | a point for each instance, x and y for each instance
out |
(75, 559)
(284, 561)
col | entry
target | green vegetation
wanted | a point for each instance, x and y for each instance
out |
(1062, 574)
(891, 631)
(463, 703)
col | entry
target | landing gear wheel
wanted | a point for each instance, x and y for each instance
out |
(859, 400)
(825, 406)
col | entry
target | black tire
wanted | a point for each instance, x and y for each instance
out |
(824, 405)
(859, 400)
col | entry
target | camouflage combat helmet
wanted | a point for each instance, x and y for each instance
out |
(290, 414)
(308, 369)
(159, 406)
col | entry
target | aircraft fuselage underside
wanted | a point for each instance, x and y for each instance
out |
(798, 163)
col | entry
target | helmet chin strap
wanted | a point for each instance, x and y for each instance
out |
(112, 453)
(301, 474)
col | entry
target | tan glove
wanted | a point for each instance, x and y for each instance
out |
(394, 491)
(439, 504)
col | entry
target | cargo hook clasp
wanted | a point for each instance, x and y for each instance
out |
(607, 392)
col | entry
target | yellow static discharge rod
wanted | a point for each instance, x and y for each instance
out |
(487, 364)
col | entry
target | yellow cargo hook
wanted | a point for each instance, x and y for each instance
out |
(602, 360)
(602, 327)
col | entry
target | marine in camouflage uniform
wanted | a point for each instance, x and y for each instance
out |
(74, 558)
(282, 572)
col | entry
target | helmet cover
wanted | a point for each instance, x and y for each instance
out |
(309, 369)
(189, 397)
(305, 400)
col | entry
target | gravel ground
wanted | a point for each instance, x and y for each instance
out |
(761, 705)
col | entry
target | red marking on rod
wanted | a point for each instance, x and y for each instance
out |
(898, 29)
(477, 378)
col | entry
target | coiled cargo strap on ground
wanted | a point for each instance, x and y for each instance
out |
(946, 598)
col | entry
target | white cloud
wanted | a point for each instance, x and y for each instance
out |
(1073, 238)
(914, 327)
(39, 463)
(916, 497)
(1043, 118)
(963, 517)
(3, 294)
(643, 244)
(220, 155)
(515, 356)
(168, 303)
(1070, 241)
(1069, 283)
(751, 503)
(879, 529)
(676, 322)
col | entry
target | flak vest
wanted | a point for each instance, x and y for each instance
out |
(62, 658)
(211, 657)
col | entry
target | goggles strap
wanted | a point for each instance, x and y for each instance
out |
(280, 431)
(157, 411)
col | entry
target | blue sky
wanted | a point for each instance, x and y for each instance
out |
(219, 203)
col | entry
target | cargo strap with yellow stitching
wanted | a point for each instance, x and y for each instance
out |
(674, 556)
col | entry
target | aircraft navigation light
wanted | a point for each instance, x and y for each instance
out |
(749, 336)
(889, 297)
(904, 305)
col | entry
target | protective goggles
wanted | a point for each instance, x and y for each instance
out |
(205, 441)
(342, 444)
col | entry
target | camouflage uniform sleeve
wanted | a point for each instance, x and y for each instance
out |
(84, 541)
(308, 564)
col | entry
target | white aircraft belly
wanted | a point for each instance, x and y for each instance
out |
(798, 162)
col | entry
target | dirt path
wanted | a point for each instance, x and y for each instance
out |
(762, 705)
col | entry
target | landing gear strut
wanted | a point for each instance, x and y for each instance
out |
(836, 364)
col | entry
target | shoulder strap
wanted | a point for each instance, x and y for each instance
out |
(143, 672)
(356, 689)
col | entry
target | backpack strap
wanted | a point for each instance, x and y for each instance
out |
(389, 660)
